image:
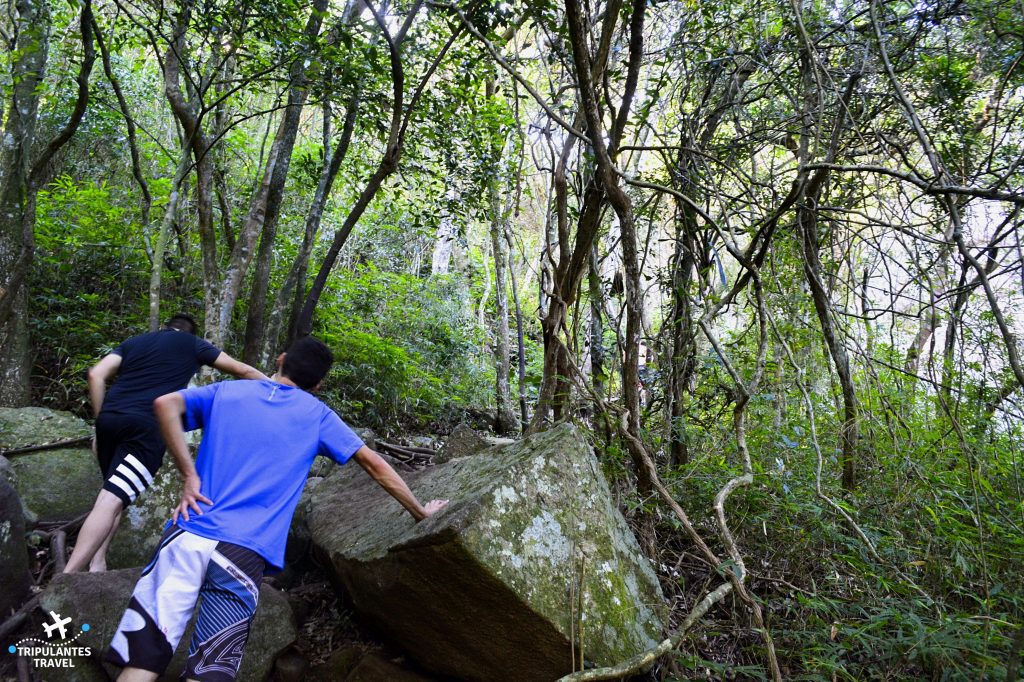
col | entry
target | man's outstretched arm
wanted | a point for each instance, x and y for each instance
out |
(169, 410)
(229, 365)
(388, 478)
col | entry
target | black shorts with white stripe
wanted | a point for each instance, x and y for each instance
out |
(130, 452)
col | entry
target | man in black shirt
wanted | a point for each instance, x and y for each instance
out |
(128, 442)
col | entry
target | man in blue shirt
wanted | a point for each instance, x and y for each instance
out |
(128, 443)
(237, 501)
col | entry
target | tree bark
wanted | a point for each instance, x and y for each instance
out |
(506, 422)
(159, 249)
(21, 178)
(807, 226)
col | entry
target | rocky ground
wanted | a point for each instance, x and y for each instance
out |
(528, 571)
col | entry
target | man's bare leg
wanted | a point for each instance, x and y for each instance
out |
(98, 563)
(95, 531)
(137, 675)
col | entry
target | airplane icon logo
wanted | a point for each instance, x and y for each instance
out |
(57, 624)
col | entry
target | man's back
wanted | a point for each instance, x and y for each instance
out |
(259, 440)
(154, 364)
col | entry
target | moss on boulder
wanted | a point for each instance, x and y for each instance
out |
(530, 560)
(57, 485)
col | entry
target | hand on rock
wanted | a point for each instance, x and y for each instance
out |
(434, 506)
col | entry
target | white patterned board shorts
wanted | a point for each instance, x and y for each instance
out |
(187, 567)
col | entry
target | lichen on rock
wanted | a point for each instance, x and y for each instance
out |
(35, 474)
(530, 552)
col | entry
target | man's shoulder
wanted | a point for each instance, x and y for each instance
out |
(138, 341)
(139, 338)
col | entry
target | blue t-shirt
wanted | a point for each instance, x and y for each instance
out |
(259, 441)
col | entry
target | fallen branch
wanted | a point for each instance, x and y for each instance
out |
(67, 526)
(58, 549)
(18, 619)
(647, 658)
(405, 453)
(408, 448)
(55, 445)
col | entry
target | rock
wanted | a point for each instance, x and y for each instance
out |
(99, 600)
(58, 485)
(462, 442)
(483, 590)
(24, 426)
(298, 534)
(422, 442)
(291, 667)
(375, 667)
(36, 473)
(14, 573)
(367, 436)
(142, 523)
(338, 665)
(7, 470)
(30, 518)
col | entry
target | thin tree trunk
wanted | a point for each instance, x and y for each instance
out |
(596, 295)
(129, 121)
(807, 225)
(400, 116)
(255, 323)
(506, 420)
(170, 212)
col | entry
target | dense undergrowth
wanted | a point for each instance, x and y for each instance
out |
(940, 597)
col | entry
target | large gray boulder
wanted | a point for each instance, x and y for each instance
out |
(57, 485)
(14, 574)
(462, 442)
(99, 599)
(530, 558)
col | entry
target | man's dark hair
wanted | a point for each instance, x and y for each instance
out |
(307, 362)
(183, 322)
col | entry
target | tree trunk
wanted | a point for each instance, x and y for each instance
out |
(596, 295)
(623, 206)
(808, 226)
(400, 114)
(520, 338)
(170, 212)
(255, 327)
(16, 204)
(21, 178)
(506, 422)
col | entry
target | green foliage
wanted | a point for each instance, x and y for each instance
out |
(406, 351)
(86, 283)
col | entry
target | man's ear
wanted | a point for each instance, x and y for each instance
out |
(317, 387)
(280, 361)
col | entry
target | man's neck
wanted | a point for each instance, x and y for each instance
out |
(282, 379)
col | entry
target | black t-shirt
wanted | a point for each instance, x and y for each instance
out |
(154, 364)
